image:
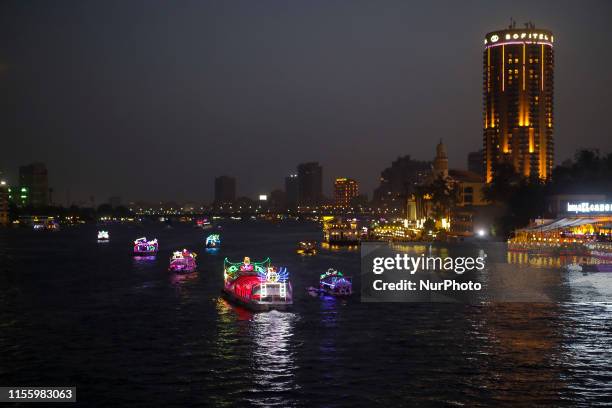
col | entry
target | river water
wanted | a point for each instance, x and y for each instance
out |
(75, 312)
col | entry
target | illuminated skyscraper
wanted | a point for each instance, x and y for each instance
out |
(345, 190)
(518, 100)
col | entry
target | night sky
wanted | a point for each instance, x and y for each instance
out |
(152, 99)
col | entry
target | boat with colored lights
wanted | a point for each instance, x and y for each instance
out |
(306, 248)
(204, 223)
(597, 267)
(213, 241)
(183, 262)
(103, 236)
(258, 286)
(144, 247)
(334, 283)
(47, 225)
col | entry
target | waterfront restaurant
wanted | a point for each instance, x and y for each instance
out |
(581, 226)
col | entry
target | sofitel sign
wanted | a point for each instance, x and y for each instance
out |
(530, 37)
(587, 207)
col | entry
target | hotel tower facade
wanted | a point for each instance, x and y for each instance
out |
(518, 80)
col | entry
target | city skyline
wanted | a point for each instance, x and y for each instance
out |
(106, 115)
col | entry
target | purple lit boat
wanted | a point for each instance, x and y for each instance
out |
(143, 247)
(183, 262)
(598, 267)
(334, 283)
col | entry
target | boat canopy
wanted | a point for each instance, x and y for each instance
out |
(560, 224)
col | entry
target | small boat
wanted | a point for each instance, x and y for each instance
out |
(601, 255)
(258, 286)
(334, 283)
(213, 241)
(144, 247)
(203, 223)
(306, 248)
(48, 225)
(103, 236)
(183, 262)
(597, 267)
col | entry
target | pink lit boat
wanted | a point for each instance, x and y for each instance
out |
(145, 248)
(183, 261)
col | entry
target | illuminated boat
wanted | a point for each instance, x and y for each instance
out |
(334, 283)
(183, 262)
(306, 248)
(258, 286)
(144, 247)
(103, 235)
(340, 232)
(597, 267)
(601, 254)
(213, 241)
(204, 223)
(48, 225)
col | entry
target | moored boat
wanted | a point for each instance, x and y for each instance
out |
(258, 286)
(597, 267)
(183, 262)
(144, 247)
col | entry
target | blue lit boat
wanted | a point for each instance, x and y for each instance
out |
(213, 241)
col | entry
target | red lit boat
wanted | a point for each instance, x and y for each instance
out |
(258, 286)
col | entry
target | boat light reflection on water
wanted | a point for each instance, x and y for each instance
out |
(273, 357)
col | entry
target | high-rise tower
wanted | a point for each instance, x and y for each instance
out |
(518, 89)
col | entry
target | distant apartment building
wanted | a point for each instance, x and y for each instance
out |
(475, 162)
(33, 185)
(345, 190)
(292, 189)
(225, 189)
(114, 201)
(310, 184)
(400, 180)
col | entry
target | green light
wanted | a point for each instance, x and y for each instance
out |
(24, 190)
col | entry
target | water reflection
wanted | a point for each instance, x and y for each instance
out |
(522, 338)
(587, 349)
(339, 248)
(212, 251)
(273, 359)
(139, 260)
(178, 278)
